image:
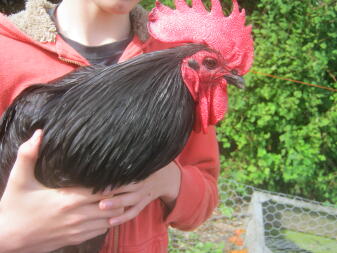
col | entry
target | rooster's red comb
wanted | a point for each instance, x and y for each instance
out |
(227, 35)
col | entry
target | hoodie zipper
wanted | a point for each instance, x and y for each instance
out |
(71, 61)
(115, 238)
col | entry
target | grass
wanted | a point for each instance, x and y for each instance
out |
(312, 243)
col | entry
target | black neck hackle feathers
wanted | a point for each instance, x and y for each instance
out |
(104, 126)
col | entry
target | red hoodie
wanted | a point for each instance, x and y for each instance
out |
(32, 52)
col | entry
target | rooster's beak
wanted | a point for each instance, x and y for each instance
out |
(236, 80)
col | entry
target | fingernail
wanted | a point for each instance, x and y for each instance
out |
(105, 204)
(36, 136)
(114, 222)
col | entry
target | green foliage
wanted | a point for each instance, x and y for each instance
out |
(280, 135)
(199, 247)
(149, 4)
(208, 247)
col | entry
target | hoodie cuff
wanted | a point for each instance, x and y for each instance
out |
(191, 194)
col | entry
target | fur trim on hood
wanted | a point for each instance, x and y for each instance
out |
(36, 22)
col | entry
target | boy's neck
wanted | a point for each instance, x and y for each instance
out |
(88, 25)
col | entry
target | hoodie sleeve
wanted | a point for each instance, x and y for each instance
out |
(198, 194)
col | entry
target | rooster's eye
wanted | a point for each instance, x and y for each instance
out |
(234, 72)
(210, 63)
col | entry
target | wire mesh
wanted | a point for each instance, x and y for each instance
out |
(253, 220)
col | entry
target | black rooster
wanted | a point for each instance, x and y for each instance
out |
(104, 126)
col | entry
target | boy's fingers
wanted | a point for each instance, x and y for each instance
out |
(129, 214)
(86, 236)
(23, 169)
(80, 195)
(123, 200)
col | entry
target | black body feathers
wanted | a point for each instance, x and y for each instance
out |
(104, 126)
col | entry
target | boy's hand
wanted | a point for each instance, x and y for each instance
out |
(36, 219)
(163, 184)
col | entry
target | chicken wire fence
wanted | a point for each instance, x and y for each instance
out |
(252, 220)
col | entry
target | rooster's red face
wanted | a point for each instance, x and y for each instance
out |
(230, 56)
(206, 75)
